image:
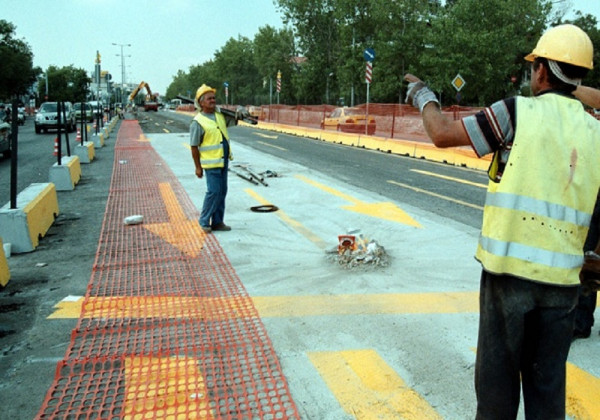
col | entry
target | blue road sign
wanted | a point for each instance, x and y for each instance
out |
(369, 54)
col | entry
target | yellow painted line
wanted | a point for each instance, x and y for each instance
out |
(385, 210)
(371, 304)
(272, 145)
(583, 390)
(368, 388)
(265, 136)
(269, 306)
(449, 178)
(297, 226)
(165, 388)
(184, 234)
(165, 130)
(443, 197)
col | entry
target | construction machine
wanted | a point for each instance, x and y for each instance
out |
(151, 102)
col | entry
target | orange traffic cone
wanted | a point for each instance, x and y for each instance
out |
(56, 146)
(78, 138)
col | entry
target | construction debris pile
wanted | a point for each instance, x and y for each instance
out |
(355, 251)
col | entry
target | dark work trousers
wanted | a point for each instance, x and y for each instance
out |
(213, 208)
(524, 335)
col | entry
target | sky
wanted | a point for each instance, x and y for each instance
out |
(164, 36)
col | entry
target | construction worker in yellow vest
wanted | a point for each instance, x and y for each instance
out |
(211, 152)
(544, 179)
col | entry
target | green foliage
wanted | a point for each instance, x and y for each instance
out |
(16, 57)
(483, 40)
(64, 84)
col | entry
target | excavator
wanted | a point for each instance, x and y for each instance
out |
(151, 103)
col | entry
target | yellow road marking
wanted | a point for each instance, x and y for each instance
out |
(385, 210)
(165, 130)
(367, 388)
(270, 306)
(165, 388)
(582, 394)
(388, 303)
(298, 227)
(184, 234)
(449, 178)
(272, 145)
(443, 197)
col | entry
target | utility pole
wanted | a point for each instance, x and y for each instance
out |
(122, 70)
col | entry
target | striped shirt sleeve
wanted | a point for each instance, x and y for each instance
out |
(493, 128)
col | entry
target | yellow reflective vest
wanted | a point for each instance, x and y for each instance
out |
(536, 219)
(211, 148)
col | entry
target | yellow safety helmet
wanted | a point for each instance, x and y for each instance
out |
(566, 44)
(202, 90)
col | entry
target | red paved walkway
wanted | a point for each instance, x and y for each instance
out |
(167, 329)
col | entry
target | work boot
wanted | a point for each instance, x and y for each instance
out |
(206, 229)
(221, 226)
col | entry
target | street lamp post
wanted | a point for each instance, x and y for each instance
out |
(122, 68)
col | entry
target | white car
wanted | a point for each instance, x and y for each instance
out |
(46, 117)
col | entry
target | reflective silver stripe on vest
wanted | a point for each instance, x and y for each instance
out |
(539, 207)
(530, 254)
(211, 161)
(211, 147)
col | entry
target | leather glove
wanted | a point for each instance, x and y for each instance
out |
(589, 276)
(241, 113)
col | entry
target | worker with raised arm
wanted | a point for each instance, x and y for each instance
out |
(211, 152)
(544, 179)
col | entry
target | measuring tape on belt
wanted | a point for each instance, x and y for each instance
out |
(266, 208)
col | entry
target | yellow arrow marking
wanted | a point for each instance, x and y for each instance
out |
(299, 227)
(143, 138)
(165, 388)
(367, 388)
(449, 178)
(388, 211)
(184, 234)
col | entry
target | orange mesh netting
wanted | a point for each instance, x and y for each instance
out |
(167, 329)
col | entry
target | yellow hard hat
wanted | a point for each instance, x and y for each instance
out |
(566, 44)
(204, 89)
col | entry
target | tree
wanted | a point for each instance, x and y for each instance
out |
(485, 41)
(274, 51)
(18, 73)
(64, 84)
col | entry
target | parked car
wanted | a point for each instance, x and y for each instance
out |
(83, 110)
(349, 120)
(47, 117)
(98, 108)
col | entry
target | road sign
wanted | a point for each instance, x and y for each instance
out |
(369, 54)
(369, 72)
(279, 81)
(458, 82)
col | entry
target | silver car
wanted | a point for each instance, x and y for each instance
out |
(47, 117)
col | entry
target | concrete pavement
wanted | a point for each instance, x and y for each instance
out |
(391, 342)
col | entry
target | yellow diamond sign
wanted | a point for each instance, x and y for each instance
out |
(458, 82)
